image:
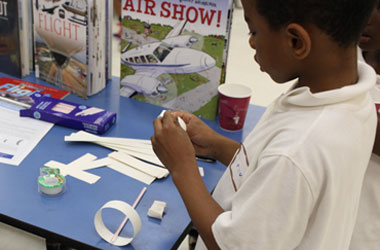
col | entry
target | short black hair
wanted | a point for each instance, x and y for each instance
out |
(342, 20)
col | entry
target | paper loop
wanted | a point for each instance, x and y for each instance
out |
(127, 210)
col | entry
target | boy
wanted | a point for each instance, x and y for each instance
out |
(370, 40)
(295, 182)
(367, 230)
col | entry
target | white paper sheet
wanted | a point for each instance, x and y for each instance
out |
(18, 135)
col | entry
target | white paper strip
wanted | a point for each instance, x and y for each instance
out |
(140, 147)
(77, 173)
(96, 164)
(139, 165)
(110, 146)
(87, 137)
(117, 147)
(153, 159)
(54, 164)
(131, 172)
(83, 160)
(145, 156)
(201, 171)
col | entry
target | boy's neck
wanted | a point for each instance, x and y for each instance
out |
(330, 70)
(373, 59)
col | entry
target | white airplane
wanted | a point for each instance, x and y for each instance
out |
(172, 55)
(62, 25)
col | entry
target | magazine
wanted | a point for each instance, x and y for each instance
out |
(173, 53)
(23, 93)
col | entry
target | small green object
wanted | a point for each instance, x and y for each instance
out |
(50, 181)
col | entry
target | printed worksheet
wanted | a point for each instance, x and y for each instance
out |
(18, 135)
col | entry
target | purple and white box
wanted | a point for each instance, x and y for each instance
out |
(69, 114)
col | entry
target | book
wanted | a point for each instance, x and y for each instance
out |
(24, 94)
(109, 34)
(15, 38)
(174, 53)
(71, 48)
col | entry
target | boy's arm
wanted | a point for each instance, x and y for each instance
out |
(202, 208)
(174, 148)
(226, 149)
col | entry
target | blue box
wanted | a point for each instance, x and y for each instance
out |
(72, 115)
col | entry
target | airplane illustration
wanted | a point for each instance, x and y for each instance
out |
(73, 13)
(50, 10)
(172, 55)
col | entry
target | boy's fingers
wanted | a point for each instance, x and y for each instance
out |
(185, 116)
(169, 118)
(157, 124)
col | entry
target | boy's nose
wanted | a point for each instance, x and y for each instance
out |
(252, 42)
(373, 16)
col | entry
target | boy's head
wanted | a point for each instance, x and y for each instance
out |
(342, 20)
(302, 38)
(370, 39)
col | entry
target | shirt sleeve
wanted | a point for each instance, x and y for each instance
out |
(375, 91)
(270, 210)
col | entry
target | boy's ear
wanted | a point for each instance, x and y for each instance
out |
(298, 40)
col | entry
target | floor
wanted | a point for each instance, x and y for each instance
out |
(241, 68)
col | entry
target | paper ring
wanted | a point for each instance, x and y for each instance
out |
(127, 210)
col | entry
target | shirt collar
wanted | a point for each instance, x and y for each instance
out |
(303, 97)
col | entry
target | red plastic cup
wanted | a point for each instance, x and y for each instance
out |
(233, 105)
(377, 107)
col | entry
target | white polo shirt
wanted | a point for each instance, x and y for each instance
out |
(367, 229)
(295, 183)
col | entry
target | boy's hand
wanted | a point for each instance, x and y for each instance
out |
(206, 141)
(201, 135)
(172, 145)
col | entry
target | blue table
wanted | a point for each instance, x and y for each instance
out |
(68, 218)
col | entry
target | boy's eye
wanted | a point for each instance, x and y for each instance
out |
(252, 33)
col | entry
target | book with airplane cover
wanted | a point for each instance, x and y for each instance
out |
(15, 38)
(24, 93)
(71, 45)
(173, 53)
